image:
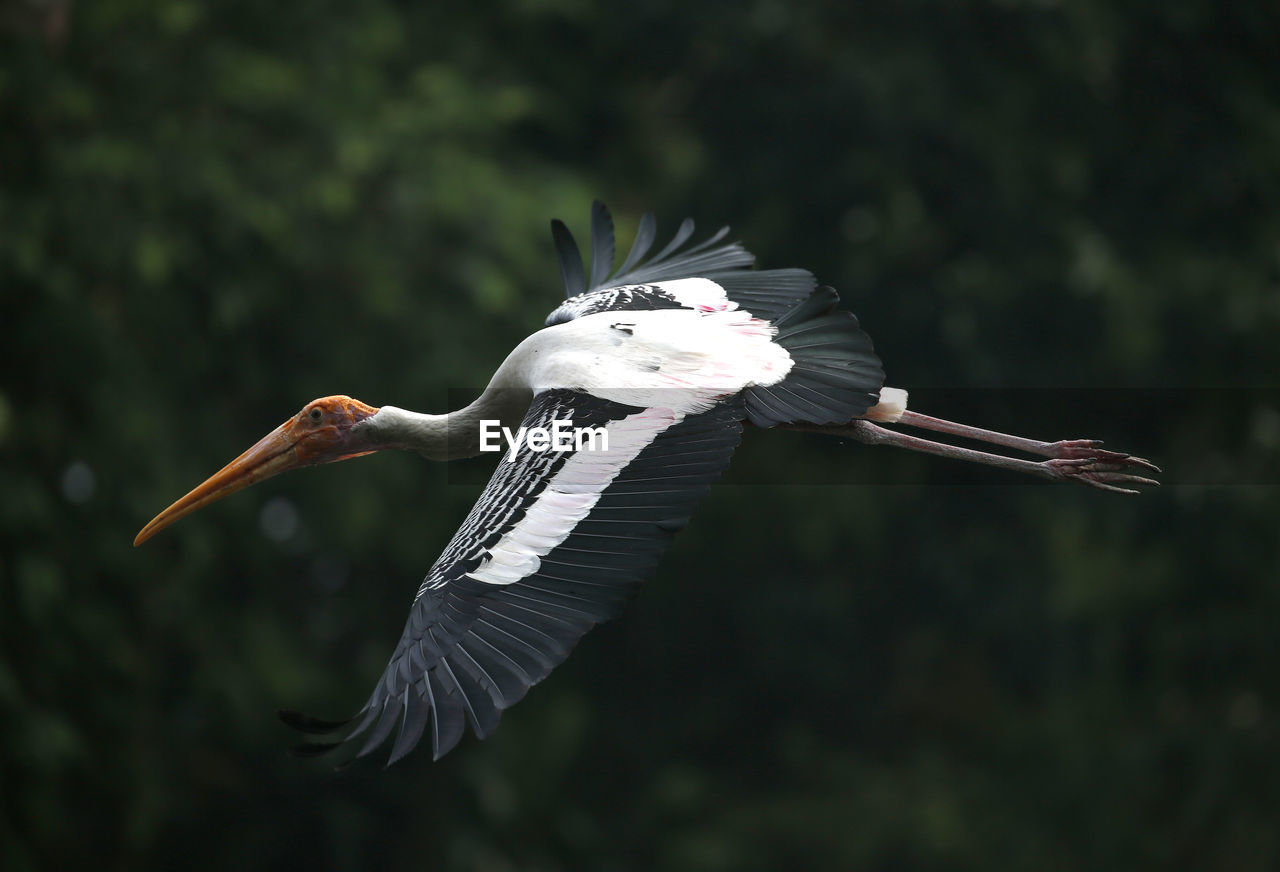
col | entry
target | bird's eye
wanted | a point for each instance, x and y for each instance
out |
(316, 415)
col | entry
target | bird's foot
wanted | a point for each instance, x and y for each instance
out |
(1083, 462)
(1086, 448)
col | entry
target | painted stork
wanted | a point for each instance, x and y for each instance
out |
(669, 357)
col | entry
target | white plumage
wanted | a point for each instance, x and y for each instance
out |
(680, 358)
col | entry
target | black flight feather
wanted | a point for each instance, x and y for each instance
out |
(646, 233)
(575, 280)
(682, 236)
(835, 374)
(602, 245)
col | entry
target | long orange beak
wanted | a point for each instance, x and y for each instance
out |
(275, 453)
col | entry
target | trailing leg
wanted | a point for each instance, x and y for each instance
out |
(1106, 470)
(1077, 460)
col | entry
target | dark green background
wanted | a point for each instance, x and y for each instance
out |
(1059, 218)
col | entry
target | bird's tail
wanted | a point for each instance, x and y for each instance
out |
(893, 402)
(835, 374)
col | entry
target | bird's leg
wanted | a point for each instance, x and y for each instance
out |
(1077, 460)
(1066, 448)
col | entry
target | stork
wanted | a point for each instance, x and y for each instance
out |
(667, 358)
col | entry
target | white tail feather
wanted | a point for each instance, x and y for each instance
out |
(893, 402)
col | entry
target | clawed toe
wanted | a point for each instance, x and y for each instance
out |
(1089, 449)
(1105, 470)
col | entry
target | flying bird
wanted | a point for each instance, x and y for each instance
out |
(664, 360)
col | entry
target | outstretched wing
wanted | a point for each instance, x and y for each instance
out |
(557, 543)
(836, 375)
(656, 283)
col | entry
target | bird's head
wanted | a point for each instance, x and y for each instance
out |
(326, 430)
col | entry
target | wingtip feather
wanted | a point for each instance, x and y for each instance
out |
(571, 269)
(602, 244)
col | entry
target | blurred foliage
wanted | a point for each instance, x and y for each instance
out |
(211, 212)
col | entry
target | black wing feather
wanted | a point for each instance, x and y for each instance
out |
(683, 232)
(766, 294)
(602, 244)
(575, 280)
(646, 233)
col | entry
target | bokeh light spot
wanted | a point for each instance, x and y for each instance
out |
(279, 520)
(78, 482)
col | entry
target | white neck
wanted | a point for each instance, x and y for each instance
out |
(456, 435)
(451, 436)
